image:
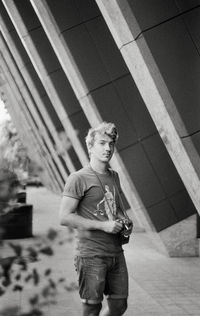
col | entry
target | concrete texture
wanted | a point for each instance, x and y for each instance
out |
(159, 285)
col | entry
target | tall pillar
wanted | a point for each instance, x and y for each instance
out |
(122, 22)
(26, 134)
(33, 153)
(44, 77)
(140, 216)
(35, 94)
(21, 103)
(29, 101)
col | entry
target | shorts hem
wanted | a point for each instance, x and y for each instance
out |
(115, 296)
(88, 301)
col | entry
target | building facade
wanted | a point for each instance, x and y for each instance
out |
(67, 65)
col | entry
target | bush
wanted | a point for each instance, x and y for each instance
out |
(16, 273)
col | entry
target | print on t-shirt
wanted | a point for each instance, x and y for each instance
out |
(107, 206)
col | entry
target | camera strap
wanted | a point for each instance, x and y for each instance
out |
(117, 190)
(119, 195)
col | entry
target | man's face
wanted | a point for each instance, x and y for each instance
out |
(102, 148)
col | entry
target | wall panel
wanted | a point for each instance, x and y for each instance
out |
(179, 63)
(69, 13)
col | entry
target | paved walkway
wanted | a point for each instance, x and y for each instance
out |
(159, 286)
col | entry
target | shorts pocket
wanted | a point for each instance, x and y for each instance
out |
(93, 265)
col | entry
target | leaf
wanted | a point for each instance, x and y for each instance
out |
(47, 251)
(45, 291)
(6, 282)
(47, 272)
(34, 300)
(18, 277)
(1, 291)
(72, 287)
(6, 264)
(36, 277)
(52, 234)
(28, 277)
(33, 254)
(23, 264)
(61, 280)
(18, 287)
(52, 284)
(17, 249)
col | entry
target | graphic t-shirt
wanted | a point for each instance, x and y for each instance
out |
(85, 186)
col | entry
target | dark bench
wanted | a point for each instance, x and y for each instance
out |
(17, 223)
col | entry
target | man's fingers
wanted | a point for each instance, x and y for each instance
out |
(118, 227)
(118, 224)
(113, 227)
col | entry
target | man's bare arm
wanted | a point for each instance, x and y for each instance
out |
(68, 217)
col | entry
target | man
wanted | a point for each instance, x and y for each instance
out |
(91, 203)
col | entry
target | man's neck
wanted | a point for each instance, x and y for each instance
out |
(99, 166)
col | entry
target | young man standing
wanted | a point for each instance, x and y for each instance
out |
(91, 203)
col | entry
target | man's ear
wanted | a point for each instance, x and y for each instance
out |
(90, 148)
(89, 151)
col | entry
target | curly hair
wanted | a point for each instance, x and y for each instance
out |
(104, 128)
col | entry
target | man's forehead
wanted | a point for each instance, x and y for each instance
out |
(103, 137)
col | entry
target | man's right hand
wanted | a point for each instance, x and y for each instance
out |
(112, 227)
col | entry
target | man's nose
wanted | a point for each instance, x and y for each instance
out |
(107, 147)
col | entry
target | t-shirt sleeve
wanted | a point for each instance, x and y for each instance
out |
(74, 187)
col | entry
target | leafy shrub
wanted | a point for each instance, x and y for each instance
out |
(16, 273)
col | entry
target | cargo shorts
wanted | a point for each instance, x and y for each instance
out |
(99, 276)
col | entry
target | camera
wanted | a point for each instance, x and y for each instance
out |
(127, 227)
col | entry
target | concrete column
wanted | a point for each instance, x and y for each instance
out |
(29, 101)
(21, 103)
(16, 118)
(121, 22)
(31, 143)
(139, 214)
(35, 154)
(123, 25)
(34, 92)
(43, 75)
(26, 134)
(39, 137)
